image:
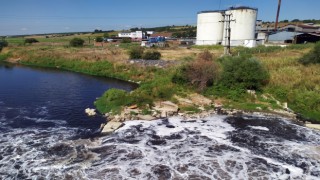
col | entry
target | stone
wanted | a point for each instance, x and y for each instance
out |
(90, 112)
(163, 114)
(146, 117)
(183, 101)
(313, 126)
(199, 100)
(133, 106)
(201, 108)
(285, 105)
(166, 106)
(154, 113)
(111, 126)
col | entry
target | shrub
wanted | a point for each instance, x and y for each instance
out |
(112, 101)
(159, 88)
(200, 73)
(313, 57)
(76, 42)
(30, 40)
(205, 56)
(151, 55)
(180, 77)
(136, 52)
(126, 40)
(3, 43)
(243, 72)
(99, 39)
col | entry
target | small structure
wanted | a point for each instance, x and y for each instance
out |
(262, 37)
(307, 38)
(282, 37)
(166, 35)
(138, 35)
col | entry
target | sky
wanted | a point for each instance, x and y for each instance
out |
(19, 17)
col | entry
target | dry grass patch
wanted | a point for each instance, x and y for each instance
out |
(180, 53)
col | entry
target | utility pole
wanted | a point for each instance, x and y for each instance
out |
(227, 20)
(277, 19)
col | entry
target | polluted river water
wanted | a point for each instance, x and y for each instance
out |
(45, 134)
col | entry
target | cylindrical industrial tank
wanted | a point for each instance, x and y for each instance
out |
(243, 28)
(210, 28)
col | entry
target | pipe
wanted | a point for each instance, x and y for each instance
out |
(277, 19)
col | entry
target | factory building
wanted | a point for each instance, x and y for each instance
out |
(213, 27)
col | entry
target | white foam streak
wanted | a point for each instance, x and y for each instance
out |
(259, 128)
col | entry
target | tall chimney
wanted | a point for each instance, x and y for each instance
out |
(277, 19)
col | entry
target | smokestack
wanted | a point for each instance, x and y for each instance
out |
(277, 19)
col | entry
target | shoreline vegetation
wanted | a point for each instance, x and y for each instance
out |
(272, 81)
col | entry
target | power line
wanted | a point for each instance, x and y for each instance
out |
(227, 20)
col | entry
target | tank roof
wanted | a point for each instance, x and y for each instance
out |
(211, 11)
(242, 7)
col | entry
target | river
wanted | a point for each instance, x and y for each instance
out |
(45, 134)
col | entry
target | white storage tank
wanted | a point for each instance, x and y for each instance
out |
(210, 27)
(243, 29)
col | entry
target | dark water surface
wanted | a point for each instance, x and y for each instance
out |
(34, 97)
(43, 135)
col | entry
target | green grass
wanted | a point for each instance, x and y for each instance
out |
(290, 81)
(15, 40)
(190, 109)
(4, 56)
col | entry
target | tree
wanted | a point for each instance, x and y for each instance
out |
(76, 42)
(97, 31)
(295, 20)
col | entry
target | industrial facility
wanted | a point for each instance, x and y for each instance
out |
(235, 26)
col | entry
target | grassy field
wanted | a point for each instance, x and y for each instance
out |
(290, 82)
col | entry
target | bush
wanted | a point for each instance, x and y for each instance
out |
(3, 43)
(99, 39)
(126, 40)
(151, 55)
(112, 101)
(313, 57)
(30, 40)
(136, 52)
(200, 73)
(243, 72)
(76, 42)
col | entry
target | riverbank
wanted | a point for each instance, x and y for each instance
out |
(156, 84)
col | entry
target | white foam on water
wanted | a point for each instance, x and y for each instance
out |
(42, 110)
(172, 149)
(42, 120)
(259, 128)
